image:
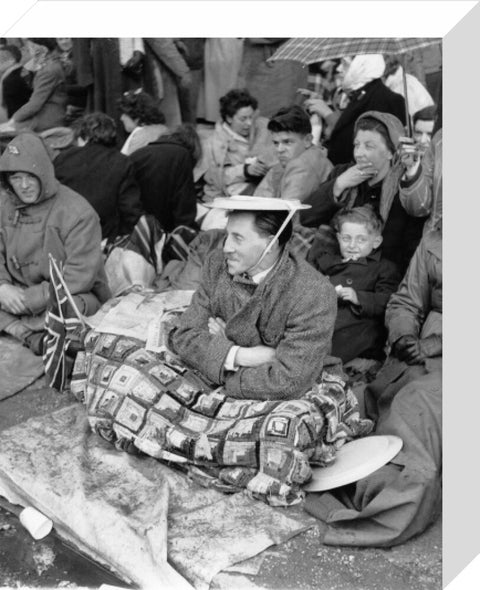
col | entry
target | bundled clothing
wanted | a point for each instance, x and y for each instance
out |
(60, 223)
(46, 106)
(359, 329)
(225, 153)
(403, 219)
(402, 498)
(164, 172)
(105, 178)
(292, 310)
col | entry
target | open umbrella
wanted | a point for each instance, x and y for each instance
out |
(309, 50)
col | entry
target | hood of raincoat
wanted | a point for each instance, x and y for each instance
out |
(27, 153)
(393, 125)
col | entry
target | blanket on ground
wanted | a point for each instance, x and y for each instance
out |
(153, 403)
(130, 513)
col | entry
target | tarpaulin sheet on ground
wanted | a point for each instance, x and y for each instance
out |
(19, 367)
(132, 512)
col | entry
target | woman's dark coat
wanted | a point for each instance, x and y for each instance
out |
(164, 172)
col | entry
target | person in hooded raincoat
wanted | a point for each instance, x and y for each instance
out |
(39, 216)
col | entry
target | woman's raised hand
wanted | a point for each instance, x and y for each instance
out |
(353, 176)
(318, 106)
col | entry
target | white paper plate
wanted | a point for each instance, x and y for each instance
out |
(247, 203)
(355, 460)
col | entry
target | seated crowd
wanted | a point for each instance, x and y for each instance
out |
(296, 249)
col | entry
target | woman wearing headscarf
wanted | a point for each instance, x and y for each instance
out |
(365, 91)
(372, 177)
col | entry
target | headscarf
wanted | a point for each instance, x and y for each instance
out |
(362, 70)
(391, 182)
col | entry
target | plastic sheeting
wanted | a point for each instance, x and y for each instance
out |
(131, 513)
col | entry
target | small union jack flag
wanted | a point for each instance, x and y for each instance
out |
(63, 326)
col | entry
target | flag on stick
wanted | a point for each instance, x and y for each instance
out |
(63, 325)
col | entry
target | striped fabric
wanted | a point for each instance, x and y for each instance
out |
(145, 239)
(309, 50)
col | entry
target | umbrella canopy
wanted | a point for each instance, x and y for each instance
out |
(308, 50)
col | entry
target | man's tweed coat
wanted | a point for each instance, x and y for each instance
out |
(293, 310)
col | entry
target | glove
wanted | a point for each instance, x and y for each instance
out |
(401, 348)
(415, 351)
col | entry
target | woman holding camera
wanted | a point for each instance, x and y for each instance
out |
(374, 178)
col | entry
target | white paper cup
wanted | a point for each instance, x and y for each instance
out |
(36, 523)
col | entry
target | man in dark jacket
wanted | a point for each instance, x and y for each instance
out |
(164, 172)
(96, 170)
(262, 319)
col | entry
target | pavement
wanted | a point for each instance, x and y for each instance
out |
(302, 563)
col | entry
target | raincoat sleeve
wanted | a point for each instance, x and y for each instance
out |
(409, 306)
(234, 173)
(82, 260)
(44, 84)
(416, 194)
(5, 276)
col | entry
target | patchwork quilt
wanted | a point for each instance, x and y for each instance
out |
(153, 403)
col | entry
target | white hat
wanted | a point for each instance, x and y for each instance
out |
(355, 460)
(248, 203)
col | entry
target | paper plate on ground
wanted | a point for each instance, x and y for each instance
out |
(355, 460)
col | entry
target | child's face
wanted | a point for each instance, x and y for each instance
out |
(356, 241)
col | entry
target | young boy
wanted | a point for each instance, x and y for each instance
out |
(302, 166)
(363, 281)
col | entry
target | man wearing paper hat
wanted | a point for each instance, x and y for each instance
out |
(261, 321)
